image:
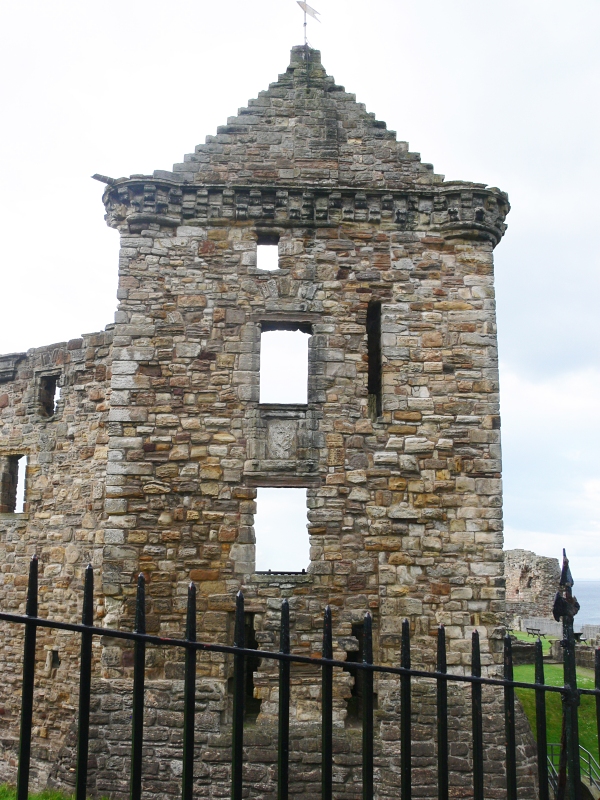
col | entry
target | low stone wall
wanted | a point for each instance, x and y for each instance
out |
(111, 745)
(584, 654)
(523, 652)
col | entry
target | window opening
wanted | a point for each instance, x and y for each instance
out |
(267, 256)
(284, 367)
(13, 473)
(354, 704)
(267, 251)
(49, 394)
(282, 543)
(374, 357)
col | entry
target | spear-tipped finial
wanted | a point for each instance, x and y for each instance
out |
(567, 605)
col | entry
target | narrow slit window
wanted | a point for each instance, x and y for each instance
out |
(49, 394)
(284, 367)
(374, 356)
(13, 474)
(267, 252)
(282, 543)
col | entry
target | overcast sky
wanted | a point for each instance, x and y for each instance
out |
(502, 93)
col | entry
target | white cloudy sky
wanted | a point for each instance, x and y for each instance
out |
(503, 93)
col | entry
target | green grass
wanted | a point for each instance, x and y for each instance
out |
(522, 636)
(553, 675)
(10, 793)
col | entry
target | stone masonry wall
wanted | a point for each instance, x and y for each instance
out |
(66, 453)
(160, 473)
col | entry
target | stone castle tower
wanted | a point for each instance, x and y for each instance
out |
(151, 457)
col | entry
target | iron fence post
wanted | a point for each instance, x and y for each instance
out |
(405, 717)
(570, 703)
(189, 700)
(540, 723)
(239, 676)
(85, 686)
(476, 708)
(327, 710)
(367, 709)
(137, 712)
(31, 610)
(283, 744)
(509, 723)
(442, 717)
(569, 777)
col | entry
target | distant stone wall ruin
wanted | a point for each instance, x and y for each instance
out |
(531, 585)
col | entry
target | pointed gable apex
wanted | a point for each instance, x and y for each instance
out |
(304, 129)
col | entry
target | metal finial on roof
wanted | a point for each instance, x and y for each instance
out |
(311, 12)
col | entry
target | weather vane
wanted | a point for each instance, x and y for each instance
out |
(311, 12)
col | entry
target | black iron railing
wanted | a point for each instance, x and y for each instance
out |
(590, 769)
(564, 779)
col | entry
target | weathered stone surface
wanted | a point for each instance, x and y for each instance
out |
(531, 585)
(152, 460)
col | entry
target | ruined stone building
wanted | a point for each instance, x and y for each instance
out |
(531, 585)
(151, 455)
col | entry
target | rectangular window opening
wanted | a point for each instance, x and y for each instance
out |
(267, 252)
(13, 476)
(49, 394)
(280, 526)
(284, 367)
(374, 357)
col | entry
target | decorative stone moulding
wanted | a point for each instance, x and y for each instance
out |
(453, 209)
(8, 366)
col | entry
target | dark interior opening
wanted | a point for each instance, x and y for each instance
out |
(49, 394)
(286, 325)
(267, 237)
(354, 703)
(374, 356)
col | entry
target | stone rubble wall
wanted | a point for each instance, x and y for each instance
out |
(110, 747)
(62, 524)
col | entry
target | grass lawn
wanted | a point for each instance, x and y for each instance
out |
(10, 793)
(553, 675)
(522, 636)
